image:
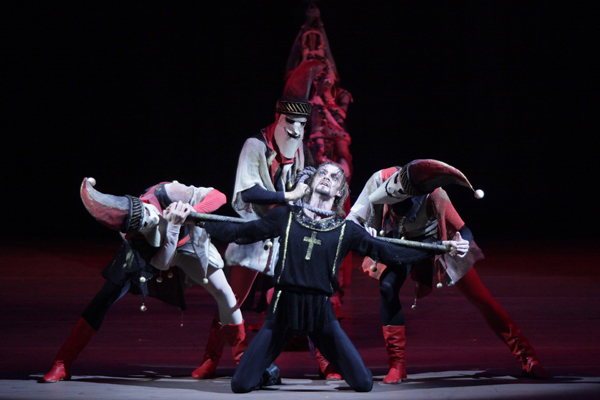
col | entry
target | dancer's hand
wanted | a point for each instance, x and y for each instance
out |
(176, 213)
(372, 231)
(460, 246)
(300, 190)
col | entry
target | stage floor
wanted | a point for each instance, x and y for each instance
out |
(550, 290)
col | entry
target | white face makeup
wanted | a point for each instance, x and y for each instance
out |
(151, 216)
(150, 224)
(328, 181)
(289, 133)
(390, 192)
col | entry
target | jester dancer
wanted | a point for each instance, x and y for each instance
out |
(265, 178)
(153, 241)
(314, 238)
(409, 202)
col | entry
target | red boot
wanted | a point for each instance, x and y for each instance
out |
(213, 352)
(326, 370)
(520, 347)
(501, 324)
(395, 341)
(79, 338)
(235, 335)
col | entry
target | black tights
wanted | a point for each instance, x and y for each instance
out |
(101, 303)
(390, 282)
(270, 340)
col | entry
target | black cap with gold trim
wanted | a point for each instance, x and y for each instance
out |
(294, 100)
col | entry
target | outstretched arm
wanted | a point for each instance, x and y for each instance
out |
(248, 232)
(259, 195)
(387, 253)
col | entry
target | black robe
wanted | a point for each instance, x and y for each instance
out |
(309, 258)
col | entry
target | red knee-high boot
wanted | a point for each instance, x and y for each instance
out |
(235, 335)
(240, 280)
(213, 352)
(326, 370)
(79, 338)
(520, 347)
(395, 341)
(503, 326)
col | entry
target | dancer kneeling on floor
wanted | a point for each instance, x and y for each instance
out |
(314, 239)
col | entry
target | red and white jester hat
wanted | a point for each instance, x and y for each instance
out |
(120, 213)
(420, 177)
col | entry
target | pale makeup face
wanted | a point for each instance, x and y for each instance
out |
(151, 216)
(150, 225)
(328, 181)
(289, 133)
(390, 192)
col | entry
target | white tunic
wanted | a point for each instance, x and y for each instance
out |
(254, 170)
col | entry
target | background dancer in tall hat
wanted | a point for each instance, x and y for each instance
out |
(265, 178)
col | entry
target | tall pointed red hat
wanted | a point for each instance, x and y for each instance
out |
(120, 213)
(311, 38)
(294, 100)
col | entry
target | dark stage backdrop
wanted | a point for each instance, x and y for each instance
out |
(133, 93)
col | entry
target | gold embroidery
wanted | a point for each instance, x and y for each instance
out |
(285, 245)
(337, 251)
(276, 300)
(322, 225)
(312, 240)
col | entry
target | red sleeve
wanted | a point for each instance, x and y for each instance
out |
(386, 173)
(213, 200)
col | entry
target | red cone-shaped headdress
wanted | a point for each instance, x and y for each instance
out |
(120, 213)
(294, 100)
(311, 42)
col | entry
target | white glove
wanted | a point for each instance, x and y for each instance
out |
(460, 246)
